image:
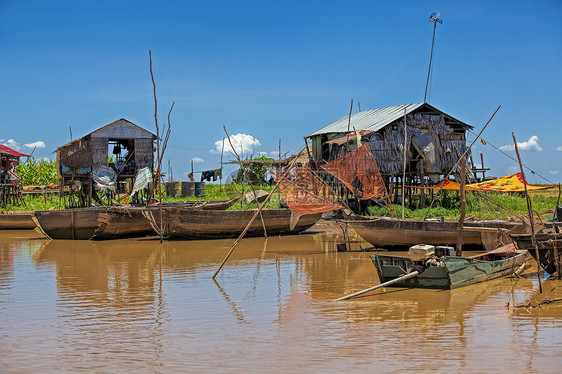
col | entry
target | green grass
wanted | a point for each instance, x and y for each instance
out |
(447, 205)
(226, 192)
(487, 205)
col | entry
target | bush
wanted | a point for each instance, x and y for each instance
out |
(37, 172)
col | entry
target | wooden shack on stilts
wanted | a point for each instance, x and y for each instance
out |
(434, 143)
(10, 186)
(121, 147)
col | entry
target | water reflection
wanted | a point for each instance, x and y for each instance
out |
(135, 304)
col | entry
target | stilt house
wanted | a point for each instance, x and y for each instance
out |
(10, 187)
(434, 141)
(120, 145)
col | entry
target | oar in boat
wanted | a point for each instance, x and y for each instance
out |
(404, 277)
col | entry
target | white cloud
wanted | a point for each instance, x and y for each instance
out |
(553, 172)
(513, 169)
(38, 144)
(11, 143)
(17, 146)
(530, 145)
(559, 148)
(197, 160)
(244, 144)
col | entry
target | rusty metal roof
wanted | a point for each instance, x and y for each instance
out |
(375, 119)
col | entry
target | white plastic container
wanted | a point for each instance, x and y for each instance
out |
(421, 252)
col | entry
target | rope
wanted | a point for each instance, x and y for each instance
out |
(514, 159)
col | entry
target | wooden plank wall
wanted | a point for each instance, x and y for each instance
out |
(144, 153)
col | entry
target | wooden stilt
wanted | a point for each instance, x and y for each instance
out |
(530, 210)
(458, 249)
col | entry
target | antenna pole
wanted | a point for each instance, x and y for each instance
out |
(430, 58)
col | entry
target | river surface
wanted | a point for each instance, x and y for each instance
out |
(135, 305)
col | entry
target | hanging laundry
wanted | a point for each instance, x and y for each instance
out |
(217, 174)
(207, 175)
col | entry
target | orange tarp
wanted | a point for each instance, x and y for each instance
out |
(359, 172)
(305, 193)
(510, 183)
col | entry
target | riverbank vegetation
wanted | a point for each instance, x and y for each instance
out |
(479, 205)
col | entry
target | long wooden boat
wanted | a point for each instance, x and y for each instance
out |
(548, 243)
(17, 221)
(449, 272)
(78, 223)
(121, 222)
(384, 231)
(214, 224)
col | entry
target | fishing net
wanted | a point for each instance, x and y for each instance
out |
(359, 172)
(304, 192)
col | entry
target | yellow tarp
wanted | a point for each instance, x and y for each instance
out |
(510, 183)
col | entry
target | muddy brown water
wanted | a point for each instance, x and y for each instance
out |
(138, 305)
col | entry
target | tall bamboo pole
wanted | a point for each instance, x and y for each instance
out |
(458, 249)
(530, 210)
(157, 184)
(404, 171)
(256, 213)
(454, 167)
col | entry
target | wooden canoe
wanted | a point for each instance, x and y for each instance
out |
(383, 232)
(122, 222)
(17, 221)
(451, 271)
(78, 223)
(214, 224)
(548, 244)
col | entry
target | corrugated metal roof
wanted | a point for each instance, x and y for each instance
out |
(7, 150)
(373, 120)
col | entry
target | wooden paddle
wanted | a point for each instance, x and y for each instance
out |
(404, 277)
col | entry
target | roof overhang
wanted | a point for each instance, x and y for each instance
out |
(376, 119)
(10, 151)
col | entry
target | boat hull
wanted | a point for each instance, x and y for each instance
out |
(16, 221)
(405, 233)
(456, 272)
(123, 222)
(212, 224)
(79, 223)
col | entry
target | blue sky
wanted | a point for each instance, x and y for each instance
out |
(279, 70)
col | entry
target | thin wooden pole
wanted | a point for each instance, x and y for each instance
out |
(307, 150)
(458, 249)
(454, 167)
(404, 277)
(256, 213)
(482, 162)
(222, 152)
(404, 171)
(530, 210)
(157, 146)
(348, 127)
(556, 206)
(248, 178)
